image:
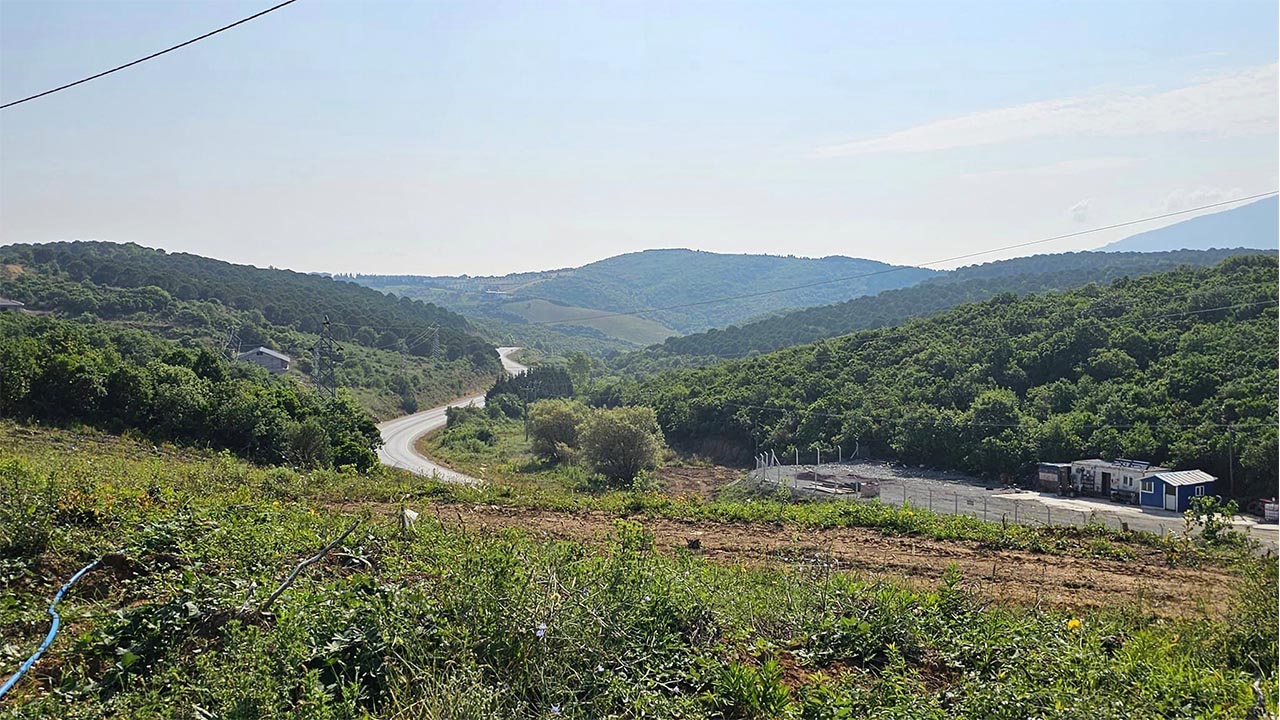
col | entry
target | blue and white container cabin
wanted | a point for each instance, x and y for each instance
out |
(1174, 489)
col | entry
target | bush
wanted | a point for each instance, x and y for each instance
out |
(308, 444)
(619, 443)
(554, 428)
(1214, 520)
(455, 416)
(504, 405)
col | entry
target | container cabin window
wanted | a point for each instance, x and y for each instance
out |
(1148, 486)
(1200, 490)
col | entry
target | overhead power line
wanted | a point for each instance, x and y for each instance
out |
(149, 57)
(939, 422)
(900, 268)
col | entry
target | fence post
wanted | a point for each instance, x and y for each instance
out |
(955, 497)
(1015, 512)
(984, 509)
(1048, 513)
(930, 499)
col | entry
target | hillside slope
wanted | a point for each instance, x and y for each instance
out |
(1149, 368)
(388, 355)
(968, 284)
(662, 278)
(1256, 225)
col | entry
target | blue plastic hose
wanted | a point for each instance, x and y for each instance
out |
(53, 630)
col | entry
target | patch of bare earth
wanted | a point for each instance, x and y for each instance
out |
(1002, 576)
(702, 482)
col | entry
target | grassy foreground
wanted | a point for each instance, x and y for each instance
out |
(439, 622)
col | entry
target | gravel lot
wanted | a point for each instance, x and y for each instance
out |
(959, 494)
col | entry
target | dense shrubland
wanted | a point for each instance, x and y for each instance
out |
(1153, 368)
(121, 279)
(975, 283)
(387, 356)
(62, 372)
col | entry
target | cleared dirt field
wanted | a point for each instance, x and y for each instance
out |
(700, 481)
(1013, 577)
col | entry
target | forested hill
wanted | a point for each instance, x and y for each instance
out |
(99, 270)
(661, 278)
(1150, 368)
(946, 290)
(385, 352)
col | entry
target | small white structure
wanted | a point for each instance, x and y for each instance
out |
(1119, 478)
(275, 362)
(7, 305)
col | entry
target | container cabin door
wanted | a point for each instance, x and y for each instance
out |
(1170, 498)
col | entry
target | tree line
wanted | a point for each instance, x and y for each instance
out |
(57, 371)
(1177, 368)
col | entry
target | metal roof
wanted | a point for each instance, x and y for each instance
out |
(264, 351)
(6, 302)
(1122, 464)
(1186, 477)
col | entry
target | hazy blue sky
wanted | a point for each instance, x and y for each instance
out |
(480, 137)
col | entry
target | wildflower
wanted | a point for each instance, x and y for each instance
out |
(541, 631)
(599, 668)
(1074, 624)
(555, 709)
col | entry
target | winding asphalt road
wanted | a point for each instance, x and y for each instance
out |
(400, 436)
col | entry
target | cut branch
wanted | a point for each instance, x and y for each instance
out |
(309, 561)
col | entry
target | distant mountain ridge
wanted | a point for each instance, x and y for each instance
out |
(693, 279)
(1256, 225)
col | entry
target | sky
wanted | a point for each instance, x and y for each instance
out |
(477, 137)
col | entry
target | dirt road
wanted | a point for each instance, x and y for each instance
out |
(1014, 577)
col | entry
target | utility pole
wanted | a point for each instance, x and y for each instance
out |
(326, 379)
(1231, 461)
(531, 388)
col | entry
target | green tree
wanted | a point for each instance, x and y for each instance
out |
(619, 443)
(553, 428)
(308, 444)
(579, 366)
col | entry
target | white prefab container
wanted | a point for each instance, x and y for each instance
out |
(1271, 512)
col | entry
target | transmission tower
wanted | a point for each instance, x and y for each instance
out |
(325, 377)
(232, 344)
(432, 333)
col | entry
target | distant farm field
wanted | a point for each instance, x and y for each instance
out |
(628, 328)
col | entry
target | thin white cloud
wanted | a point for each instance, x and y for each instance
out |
(1183, 198)
(1080, 211)
(1242, 103)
